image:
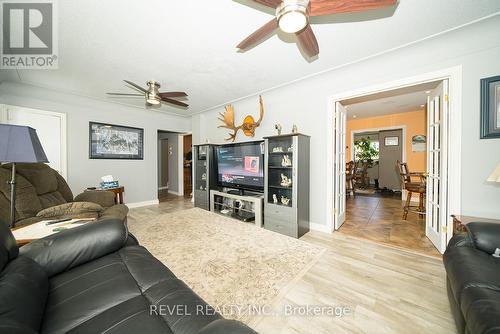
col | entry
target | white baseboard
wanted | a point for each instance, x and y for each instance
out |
(141, 204)
(319, 227)
(176, 193)
(162, 188)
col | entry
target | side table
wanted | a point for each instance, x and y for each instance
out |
(117, 191)
(460, 222)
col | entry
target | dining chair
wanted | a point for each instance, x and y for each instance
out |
(411, 185)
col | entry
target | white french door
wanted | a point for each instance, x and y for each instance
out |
(437, 166)
(340, 172)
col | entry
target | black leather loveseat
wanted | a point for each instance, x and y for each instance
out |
(96, 279)
(473, 279)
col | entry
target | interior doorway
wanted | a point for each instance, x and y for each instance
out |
(390, 144)
(188, 165)
(169, 165)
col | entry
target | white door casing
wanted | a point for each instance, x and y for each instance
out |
(340, 164)
(437, 166)
(51, 130)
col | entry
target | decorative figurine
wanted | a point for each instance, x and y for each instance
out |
(204, 176)
(290, 149)
(285, 181)
(278, 149)
(275, 199)
(294, 129)
(285, 200)
(286, 162)
(278, 128)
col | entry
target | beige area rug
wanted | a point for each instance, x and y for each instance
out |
(225, 261)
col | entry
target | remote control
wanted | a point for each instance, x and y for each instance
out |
(58, 221)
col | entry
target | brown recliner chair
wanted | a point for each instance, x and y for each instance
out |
(40, 187)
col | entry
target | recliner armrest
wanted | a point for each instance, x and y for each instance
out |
(106, 199)
(485, 236)
(68, 249)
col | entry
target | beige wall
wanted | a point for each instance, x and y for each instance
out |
(415, 123)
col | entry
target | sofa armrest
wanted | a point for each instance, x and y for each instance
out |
(68, 249)
(105, 199)
(485, 236)
(226, 326)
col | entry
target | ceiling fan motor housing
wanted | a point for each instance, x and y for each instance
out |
(293, 15)
(153, 94)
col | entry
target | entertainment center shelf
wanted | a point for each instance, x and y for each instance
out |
(245, 208)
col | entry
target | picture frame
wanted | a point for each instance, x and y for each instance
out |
(391, 141)
(490, 107)
(111, 141)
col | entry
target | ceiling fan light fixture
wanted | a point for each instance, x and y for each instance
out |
(153, 94)
(293, 15)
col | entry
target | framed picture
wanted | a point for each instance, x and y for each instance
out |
(419, 143)
(109, 141)
(391, 141)
(490, 107)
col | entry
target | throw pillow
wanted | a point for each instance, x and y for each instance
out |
(72, 210)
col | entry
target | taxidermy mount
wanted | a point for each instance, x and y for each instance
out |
(249, 125)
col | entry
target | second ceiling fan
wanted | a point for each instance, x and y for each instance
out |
(292, 16)
(152, 94)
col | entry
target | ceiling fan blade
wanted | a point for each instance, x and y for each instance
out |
(171, 101)
(122, 94)
(327, 7)
(308, 41)
(259, 35)
(173, 94)
(269, 3)
(136, 86)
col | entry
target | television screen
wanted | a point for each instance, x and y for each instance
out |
(241, 165)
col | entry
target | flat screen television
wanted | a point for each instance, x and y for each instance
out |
(241, 165)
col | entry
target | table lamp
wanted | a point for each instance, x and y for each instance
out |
(495, 176)
(19, 144)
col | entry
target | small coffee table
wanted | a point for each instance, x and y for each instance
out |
(26, 234)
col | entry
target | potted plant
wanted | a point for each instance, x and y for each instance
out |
(366, 153)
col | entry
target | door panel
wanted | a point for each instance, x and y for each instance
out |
(339, 163)
(388, 156)
(49, 128)
(436, 203)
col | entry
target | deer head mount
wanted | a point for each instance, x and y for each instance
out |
(249, 125)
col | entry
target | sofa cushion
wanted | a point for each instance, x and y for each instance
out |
(41, 176)
(72, 210)
(468, 267)
(115, 293)
(27, 201)
(51, 199)
(23, 293)
(118, 211)
(481, 308)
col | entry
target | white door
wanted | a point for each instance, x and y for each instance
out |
(340, 148)
(437, 166)
(50, 128)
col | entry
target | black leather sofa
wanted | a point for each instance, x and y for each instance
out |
(473, 279)
(96, 279)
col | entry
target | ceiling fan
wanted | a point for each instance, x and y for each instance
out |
(293, 16)
(152, 95)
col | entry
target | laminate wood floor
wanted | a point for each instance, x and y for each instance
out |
(379, 219)
(387, 290)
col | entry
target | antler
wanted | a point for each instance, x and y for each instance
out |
(261, 111)
(228, 120)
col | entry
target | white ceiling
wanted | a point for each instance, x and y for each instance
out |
(190, 45)
(389, 102)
